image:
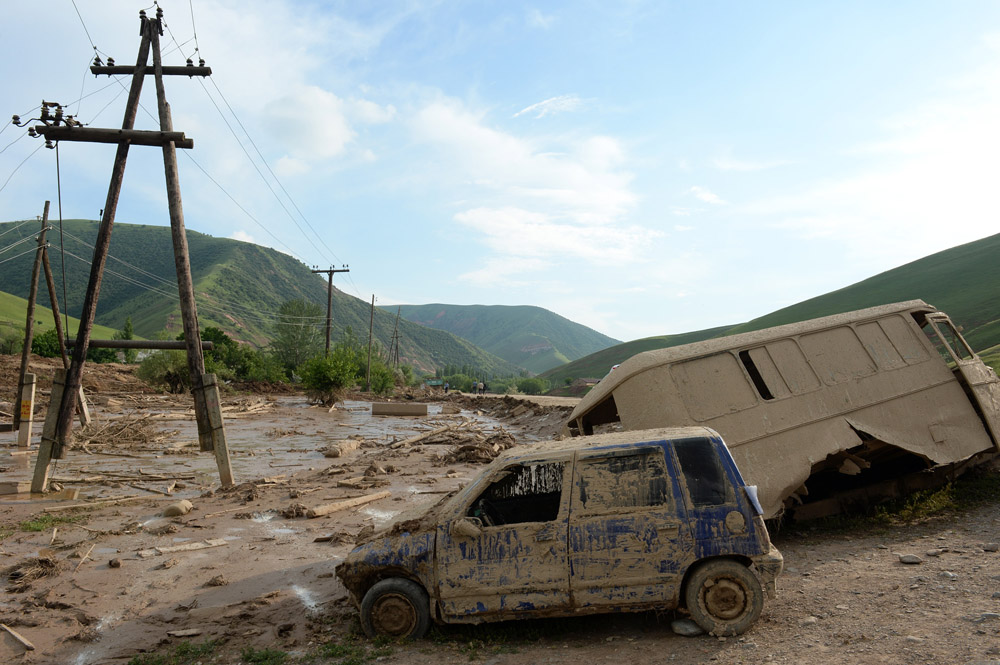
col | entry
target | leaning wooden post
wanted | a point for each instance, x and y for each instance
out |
(82, 411)
(27, 411)
(40, 479)
(211, 435)
(29, 324)
(214, 408)
(67, 405)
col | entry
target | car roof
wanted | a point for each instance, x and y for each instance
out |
(632, 439)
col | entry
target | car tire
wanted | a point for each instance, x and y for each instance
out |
(396, 607)
(724, 597)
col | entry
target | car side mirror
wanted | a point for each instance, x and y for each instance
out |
(467, 527)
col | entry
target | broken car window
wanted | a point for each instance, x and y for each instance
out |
(626, 481)
(524, 493)
(705, 479)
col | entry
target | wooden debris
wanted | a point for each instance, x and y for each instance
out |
(20, 638)
(96, 504)
(14, 487)
(187, 632)
(186, 547)
(319, 511)
(84, 558)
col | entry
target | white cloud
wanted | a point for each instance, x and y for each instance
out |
(928, 185)
(536, 19)
(728, 163)
(706, 195)
(582, 180)
(551, 106)
(243, 236)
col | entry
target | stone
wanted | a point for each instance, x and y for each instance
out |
(948, 575)
(911, 559)
(182, 507)
(991, 547)
(686, 628)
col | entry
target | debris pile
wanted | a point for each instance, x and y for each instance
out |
(132, 431)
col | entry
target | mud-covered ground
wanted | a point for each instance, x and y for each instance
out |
(267, 582)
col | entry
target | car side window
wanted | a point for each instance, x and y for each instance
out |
(623, 481)
(703, 474)
(522, 493)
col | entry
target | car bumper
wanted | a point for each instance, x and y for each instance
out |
(768, 568)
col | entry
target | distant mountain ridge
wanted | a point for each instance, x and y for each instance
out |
(963, 282)
(531, 337)
(239, 288)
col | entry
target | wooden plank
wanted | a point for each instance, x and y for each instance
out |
(319, 511)
(20, 638)
(398, 409)
(189, 547)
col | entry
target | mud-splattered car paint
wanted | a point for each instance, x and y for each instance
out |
(629, 521)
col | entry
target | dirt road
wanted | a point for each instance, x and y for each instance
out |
(263, 578)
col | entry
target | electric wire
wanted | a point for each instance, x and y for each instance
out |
(18, 168)
(33, 249)
(23, 134)
(230, 304)
(16, 243)
(14, 228)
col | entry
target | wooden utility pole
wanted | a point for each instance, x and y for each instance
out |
(329, 300)
(211, 433)
(29, 324)
(371, 326)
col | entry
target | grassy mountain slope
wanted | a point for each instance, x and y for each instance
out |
(596, 365)
(239, 288)
(531, 337)
(13, 310)
(963, 281)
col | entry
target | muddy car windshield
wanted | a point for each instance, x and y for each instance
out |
(522, 493)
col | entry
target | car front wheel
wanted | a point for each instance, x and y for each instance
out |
(395, 607)
(724, 597)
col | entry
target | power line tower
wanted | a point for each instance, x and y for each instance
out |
(394, 344)
(329, 299)
(59, 127)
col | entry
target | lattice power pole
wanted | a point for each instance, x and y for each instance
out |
(211, 433)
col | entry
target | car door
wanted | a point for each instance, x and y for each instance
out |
(506, 551)
(629, 544)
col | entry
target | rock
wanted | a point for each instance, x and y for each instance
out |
(115, 563)
(808, 621)
(686, 628)
(933, 553)
(182, 507)
(911, 559)
(341, 448)
(914, 639)
(948, 575)
(991, 547)
(218, 580)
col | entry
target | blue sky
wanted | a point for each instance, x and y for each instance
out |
(642, 168)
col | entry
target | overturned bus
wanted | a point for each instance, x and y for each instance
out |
(825, 415)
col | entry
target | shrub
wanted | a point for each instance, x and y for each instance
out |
(327, 378)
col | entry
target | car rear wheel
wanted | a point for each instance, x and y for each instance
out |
(395, 607)
(724, 597)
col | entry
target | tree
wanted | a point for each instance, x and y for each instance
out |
(298, 333)
(127, 333)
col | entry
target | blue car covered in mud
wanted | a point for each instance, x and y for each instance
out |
(628, 521)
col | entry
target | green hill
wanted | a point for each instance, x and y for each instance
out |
(527, 336)
(596, 365)
(963, 282)
(13, 310)
(239, 288)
